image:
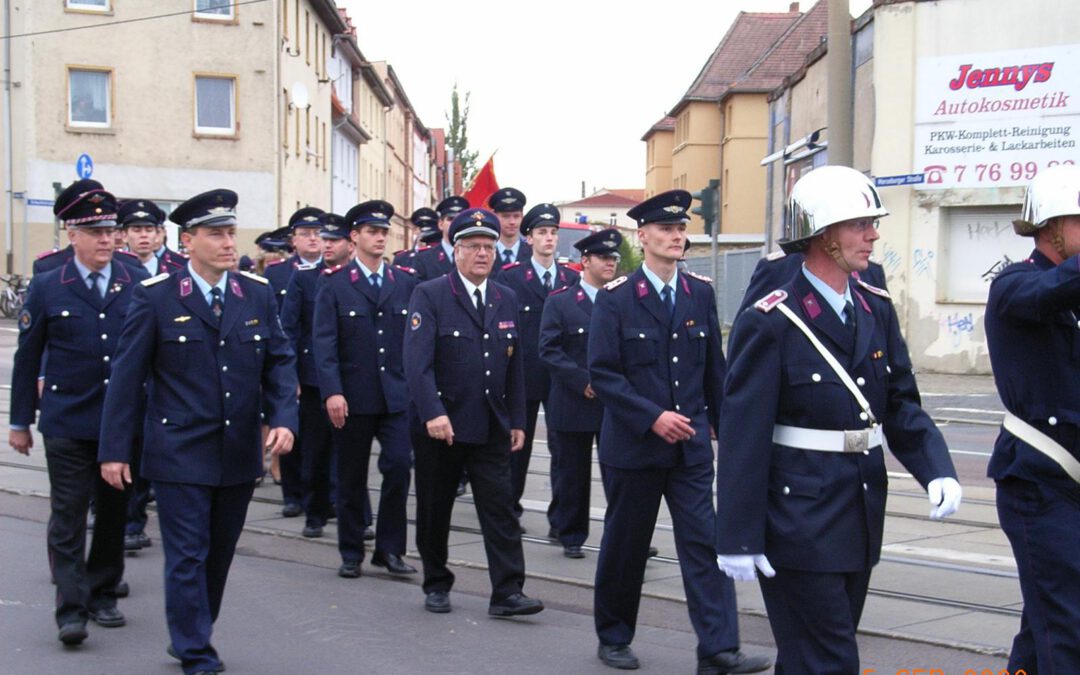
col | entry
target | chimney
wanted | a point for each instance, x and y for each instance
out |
(794, 8)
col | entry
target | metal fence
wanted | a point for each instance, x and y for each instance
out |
(733, 270)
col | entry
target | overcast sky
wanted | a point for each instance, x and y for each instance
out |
(563, 90)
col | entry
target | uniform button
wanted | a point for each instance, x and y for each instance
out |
(382, 368)
(486, 391)
(526, 308)
(228, 423)
(259, 337)
(105, 359)
(701, 334)
(866, 452)
(457, 334)
(404, 312)
(865, 487)
(816, 377)
(860, 381)
(863, 416)
(674, 359)
(676, 383)
(641, 336)
(379, 314)
(101, 316)
(674, 336)
(224, 369)
(382, 350)
(53, 387)
(182, 338)
(580, 330)
(486, 336)
(104, 336)
(306, 350)
(487, 373)
(379, 332)
(787, 490)
(486, 354)
(1052, 421)
(228, 394)
(677, 406)
(509, 336)
(352, 313)
(1078, 324)
(888, 370)
(65, 313)
(221, 344)
(164, 420)
(106, 380)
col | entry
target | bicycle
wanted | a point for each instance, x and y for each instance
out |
(13, 294)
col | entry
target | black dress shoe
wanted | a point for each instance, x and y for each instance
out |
(108, 617)
(120, 590)
(553, 534)
(73, 633)
(437, 602)
(618, 656)
(332, 513)
(171, 651)
(573, 552)
(145, 541)
(369, 534)
(291, 510)
(517, 604)
(393, 563)
(312, 531)
(349, 570)
(131, 542)
(732, 661)
(653, 551)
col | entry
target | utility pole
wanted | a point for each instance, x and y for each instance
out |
(838, 67)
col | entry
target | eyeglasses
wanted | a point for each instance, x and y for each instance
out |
(860, 225)
(306, 233)
(473, 248)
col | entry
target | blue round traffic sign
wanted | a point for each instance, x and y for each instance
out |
(84, 166)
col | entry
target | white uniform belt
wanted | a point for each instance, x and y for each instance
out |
(827, 440)
(1044, 444)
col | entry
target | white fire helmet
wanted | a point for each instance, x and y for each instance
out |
(830, 194)
(1054, 192)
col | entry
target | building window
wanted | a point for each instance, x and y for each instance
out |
(215, 105)
(285, 119)
(89, 97)
(215, 9)
(88, 5)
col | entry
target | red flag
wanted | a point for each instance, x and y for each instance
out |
(483, 185)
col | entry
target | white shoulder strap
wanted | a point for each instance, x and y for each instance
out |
(831, 360)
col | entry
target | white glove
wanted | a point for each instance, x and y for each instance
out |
(944, 494)
(741, 567)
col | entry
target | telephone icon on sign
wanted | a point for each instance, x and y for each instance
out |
(933, 173)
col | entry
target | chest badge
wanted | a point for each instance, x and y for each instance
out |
(509, 351)
(182, 319)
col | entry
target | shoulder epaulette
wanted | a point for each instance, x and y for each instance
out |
(46, 254)
(306, 266)
(699, 277)
(558, 290)
(275, 262)
(424, 247)
(510, 265)
(874, 289)
(156, 279)
(615, 283)
(330, 270)
(771, 300)
(406, 270)
(397, 253)
(120, 250)
(775, 255)
(255, 277)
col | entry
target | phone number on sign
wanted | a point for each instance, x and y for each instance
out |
(986, 173)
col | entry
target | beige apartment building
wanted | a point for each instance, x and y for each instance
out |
(273, 100)
(659, 142)
(951, 153)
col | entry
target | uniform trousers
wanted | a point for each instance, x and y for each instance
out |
(1043, 527)
(571, 483)
(353, 443)
(438, 468)
(83, 581)
(519, 461)
(633, 501)
(292, 468)
(814, 616)
(139, 493)
(200, 526)
(316, 455)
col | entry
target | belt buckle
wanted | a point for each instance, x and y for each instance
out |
(857, 441)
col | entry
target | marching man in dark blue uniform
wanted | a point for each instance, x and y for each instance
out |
(508, 204)
(76, 313)
(438, 259)
(656, 364)
(778, 268)
(210, 344)
(463, 366)
(359, 325)
(818, 375)
(427, 233)
(573, 413)
(1032, 320)
(142, 222)
(532, 281)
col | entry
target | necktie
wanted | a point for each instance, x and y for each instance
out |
(93, 284)
(376, 280)
(508, 256)
(479, 304)
(669, 300)
(216, 305)
(849, 317)
(547, 280)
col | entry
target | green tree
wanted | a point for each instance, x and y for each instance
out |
(629, 256)
(458, 134)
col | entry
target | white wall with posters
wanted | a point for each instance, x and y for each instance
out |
(939, 102)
